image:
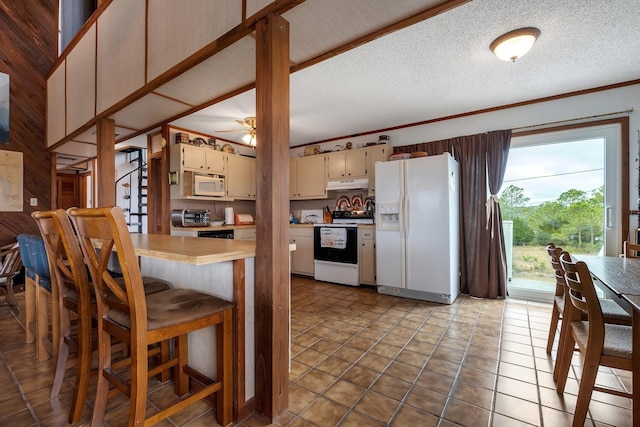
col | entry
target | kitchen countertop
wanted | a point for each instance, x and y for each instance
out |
(311, 225)
(192, 250)
(220, 227)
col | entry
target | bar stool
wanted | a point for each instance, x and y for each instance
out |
(140, 321)
(74, 297)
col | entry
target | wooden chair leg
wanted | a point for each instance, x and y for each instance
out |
(42, 322)
(182, 354)
(63, 355)
(564, 349)
(102, 388)
(565, 363)
(555, 316)
(30, 309)
(56, 304)
(165, 355)
(587, 381)
(224, 346)
(139, 378)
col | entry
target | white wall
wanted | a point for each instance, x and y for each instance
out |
(592, 104)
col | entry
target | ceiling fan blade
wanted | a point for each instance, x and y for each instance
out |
(243, 123)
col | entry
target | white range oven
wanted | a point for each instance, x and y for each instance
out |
(335, 249)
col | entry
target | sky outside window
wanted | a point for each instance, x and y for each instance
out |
(546, 171)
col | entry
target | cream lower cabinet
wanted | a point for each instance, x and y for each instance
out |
(367, 255)
(302, 257)
(241, 178)
(307, 178)
(244, 233)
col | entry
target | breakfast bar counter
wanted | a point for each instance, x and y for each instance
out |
(191, 250)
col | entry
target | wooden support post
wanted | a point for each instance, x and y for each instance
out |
(106, 139)
(272, 210)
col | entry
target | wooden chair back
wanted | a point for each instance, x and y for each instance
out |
(67, 263)
(11, 265)
(554, 253)
(65, 257)
(582, 293)
(11, 262)
(100, 230)
(631, 250)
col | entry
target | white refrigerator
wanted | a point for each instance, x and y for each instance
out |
(417, 245)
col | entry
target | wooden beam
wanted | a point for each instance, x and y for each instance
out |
(106, 139)
(272, 208)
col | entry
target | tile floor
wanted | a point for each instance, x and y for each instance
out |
(364, 359)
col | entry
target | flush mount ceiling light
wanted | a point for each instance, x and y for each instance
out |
(514, 44)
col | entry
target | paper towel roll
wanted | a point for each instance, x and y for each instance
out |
(228, 216)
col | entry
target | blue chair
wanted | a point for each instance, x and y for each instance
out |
(37, 294)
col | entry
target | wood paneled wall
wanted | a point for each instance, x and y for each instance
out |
(28, 39)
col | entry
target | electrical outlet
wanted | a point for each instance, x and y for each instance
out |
(34, 201)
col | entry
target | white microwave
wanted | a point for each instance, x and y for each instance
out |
(209, 185)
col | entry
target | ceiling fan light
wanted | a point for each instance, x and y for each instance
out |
(514, 44)
(249, 139)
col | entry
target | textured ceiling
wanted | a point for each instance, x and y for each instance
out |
(443, 66)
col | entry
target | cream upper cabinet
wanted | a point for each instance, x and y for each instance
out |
(307, 178)
(202, 159)
(215, 161)
(347, 164)
(377, 153)
(241, 179)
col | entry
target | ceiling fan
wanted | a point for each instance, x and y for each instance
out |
(249, 124)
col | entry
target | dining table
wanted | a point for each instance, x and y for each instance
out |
(619, 279)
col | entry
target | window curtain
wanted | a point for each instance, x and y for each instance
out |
(482, 161)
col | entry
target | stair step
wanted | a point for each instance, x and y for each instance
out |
(138, 213)
(134, 224)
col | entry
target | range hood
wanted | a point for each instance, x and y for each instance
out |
(348, 184)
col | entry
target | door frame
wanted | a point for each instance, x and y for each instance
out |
(623, 203)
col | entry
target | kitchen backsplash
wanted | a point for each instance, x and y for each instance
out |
(296, 205)
(249, 206)
(217, 208)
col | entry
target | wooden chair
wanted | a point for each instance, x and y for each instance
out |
(612, 312)
(600, 343)
(140, 321)
(74, 296)
(10, 266)
(37, 290)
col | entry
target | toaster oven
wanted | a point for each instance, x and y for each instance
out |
(190, 217)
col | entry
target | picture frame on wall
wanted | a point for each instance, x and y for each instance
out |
(4, 108)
